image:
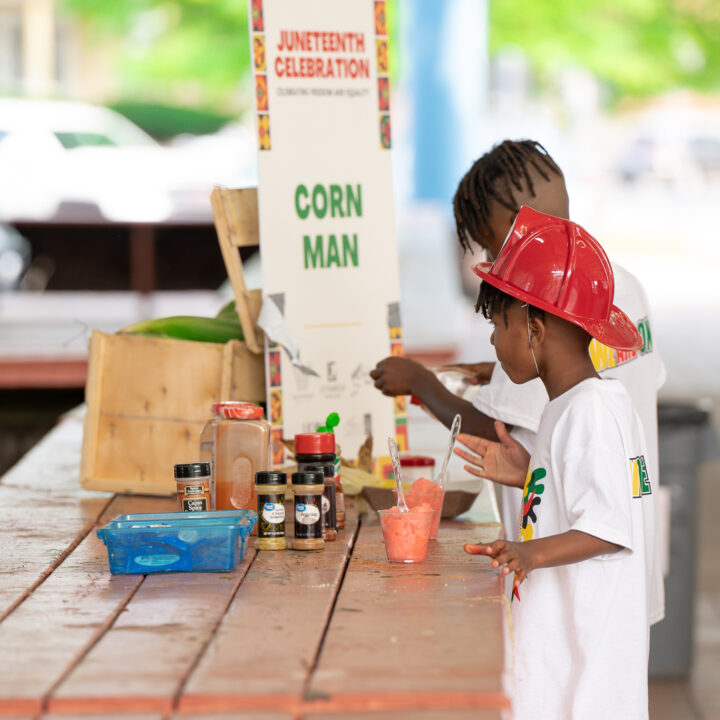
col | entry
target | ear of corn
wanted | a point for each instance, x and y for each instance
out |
(354, 480)
(228, 312)
(188, 327)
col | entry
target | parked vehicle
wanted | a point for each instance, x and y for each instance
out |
(78, 162)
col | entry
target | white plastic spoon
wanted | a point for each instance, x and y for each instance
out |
(392, 446)
(454, 430)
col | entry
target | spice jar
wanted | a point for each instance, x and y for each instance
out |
(308, 488)
(329, 518)
(318, 449)
(193, 486)
(238, 442)
(270, 488)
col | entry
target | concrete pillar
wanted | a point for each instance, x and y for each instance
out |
(38, 40)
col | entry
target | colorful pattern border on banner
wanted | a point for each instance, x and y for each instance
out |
(274, 411)
(381, 47)
(260, 65)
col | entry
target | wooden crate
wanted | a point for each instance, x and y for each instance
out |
(148, 398)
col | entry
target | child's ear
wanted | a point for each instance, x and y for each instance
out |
(537, 330)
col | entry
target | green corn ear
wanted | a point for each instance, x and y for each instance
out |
(228, 312)
(188, 327)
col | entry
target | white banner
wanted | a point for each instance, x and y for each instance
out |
(327, 226)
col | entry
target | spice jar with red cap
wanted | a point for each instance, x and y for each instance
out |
(316, 451)
(238, 442)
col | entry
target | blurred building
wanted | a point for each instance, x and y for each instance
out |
(43, 53)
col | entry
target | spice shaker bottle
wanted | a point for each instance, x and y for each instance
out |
(316, 451)
(193, 486)
(270, 488)
(238, 439)
(308, 488)
(329, 519)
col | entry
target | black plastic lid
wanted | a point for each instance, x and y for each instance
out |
(268, 477)
(308, 478)
(192, 470)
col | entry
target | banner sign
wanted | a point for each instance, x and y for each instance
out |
(327, 226)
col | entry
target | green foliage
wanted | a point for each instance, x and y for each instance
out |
(200, 45)
(166, 121)
(639, 47)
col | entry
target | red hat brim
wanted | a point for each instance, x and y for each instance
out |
(618, 331)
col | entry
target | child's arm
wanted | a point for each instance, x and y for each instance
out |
(523, 557)
(505, 462)
(402, 376)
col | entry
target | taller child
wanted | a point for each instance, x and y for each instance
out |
(512, 174)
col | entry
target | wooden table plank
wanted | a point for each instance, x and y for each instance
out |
(104, 716)
(53, 464)
(64, 617)
(445, 714)
(251, 715)
(375, 655)
(36, 536)
(141, 663)
(267, 643)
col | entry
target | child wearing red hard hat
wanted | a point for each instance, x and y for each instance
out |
(583, 564)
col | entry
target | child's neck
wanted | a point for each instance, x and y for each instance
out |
(563, 375)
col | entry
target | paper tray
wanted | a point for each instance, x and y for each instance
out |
(177, 542)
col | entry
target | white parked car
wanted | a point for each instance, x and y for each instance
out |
(80, 162)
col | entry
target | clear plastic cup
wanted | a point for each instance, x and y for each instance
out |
(433, 498)
(406, 534)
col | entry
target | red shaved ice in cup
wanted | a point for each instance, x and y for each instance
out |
(406, 534)
(426, 492)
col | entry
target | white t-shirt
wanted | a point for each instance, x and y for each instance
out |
(581, 630)
(641, 372)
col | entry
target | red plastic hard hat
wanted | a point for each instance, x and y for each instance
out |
(557, 266)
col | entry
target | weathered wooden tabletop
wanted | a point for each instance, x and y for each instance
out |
(287, 635)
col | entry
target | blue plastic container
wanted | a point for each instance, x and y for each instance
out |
(177, 542)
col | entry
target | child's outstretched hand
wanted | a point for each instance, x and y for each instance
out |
(505, 462)
(510, 556)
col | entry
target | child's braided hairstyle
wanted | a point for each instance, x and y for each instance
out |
(492, 178)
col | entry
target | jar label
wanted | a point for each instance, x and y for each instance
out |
(325, 505)
(273, 512)
(195, 504)
(307, 514)
(195, 489)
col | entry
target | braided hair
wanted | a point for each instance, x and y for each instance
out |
(495, 177)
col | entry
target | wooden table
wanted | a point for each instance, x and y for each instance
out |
(287, 635)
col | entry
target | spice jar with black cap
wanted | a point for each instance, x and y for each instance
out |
(308, 488)
(270, 488)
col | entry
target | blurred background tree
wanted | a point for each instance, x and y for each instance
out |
(636, 47)
(197, 52)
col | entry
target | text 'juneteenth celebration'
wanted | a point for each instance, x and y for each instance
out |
(312, 64)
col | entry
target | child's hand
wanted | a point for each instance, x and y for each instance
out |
(504, 462)
(511, 556)
(398, 376)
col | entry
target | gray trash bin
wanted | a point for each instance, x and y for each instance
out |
(686, 439)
